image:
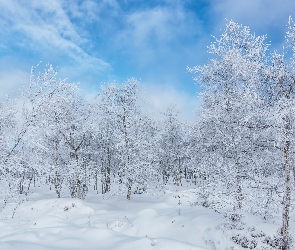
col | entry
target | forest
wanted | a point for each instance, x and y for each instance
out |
(238, 154)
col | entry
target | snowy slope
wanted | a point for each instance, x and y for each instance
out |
(145, 222)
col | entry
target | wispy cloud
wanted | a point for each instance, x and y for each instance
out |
(90, 11)
(263, 16)
(11, 82)
(155, 32)
(157, 98)
(45, 25)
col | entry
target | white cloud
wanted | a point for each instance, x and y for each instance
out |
(262, 16)
(155, 32)
(256, 12)
(88, 11)
(47, 27)
(157, 98)
(12, 81)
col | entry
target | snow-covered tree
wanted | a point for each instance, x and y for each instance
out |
(173, 154)
(280, 97)
(105, 141)
(128, 119)
(126, 139)
(229, 98)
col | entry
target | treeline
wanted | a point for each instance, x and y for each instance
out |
(239, 153)
(57, 137)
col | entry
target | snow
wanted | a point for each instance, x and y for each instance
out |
(167, 221)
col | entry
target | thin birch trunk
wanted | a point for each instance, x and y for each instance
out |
(56, 180)
(239, 192)
(287, 198)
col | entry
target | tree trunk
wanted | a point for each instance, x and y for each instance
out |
(239, 193)
(127, 153)
(56, 180)
(96, 182)
(29, 185)
(21, 185)
(287, 198)
(78, 185)
(103, 178)
(129, 192)
(108, 172)
(106, 179)
(57, 184)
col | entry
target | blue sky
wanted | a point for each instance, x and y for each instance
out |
(111, 40)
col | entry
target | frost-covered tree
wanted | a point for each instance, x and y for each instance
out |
(7, 158)
(280, 97)
(173, 154)
(229, 81)
(23, 157)
(246, 126)
(105, 141)
(52, 124)
(7, 124)
(126, 139)
(77, 140)
(128, 119)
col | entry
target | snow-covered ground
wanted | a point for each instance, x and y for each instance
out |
(169, 221)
